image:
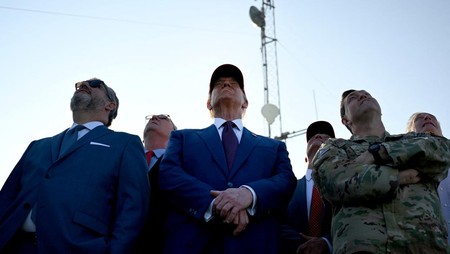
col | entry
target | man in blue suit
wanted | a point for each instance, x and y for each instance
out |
(90, 197)
(297, 235)
(220, 204)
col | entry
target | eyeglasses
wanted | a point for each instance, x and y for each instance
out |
(94, 83)
(161, 117)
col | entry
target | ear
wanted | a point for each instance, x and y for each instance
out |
(245, 104)
(208, 104)
(110, 106)
(345, 121)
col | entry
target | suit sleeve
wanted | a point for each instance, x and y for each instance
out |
(182, 187)
(133, 197)
(275, 191)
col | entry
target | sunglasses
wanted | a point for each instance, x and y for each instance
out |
(161, 117)
(94, 83)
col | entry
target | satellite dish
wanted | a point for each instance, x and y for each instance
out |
(270, 111)
(257, 17)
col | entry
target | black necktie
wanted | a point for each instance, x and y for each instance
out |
(229, 141)
(70, 138)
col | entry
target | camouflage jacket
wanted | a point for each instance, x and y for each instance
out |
(371, 211)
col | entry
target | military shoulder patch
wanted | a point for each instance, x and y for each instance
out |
(322, 151)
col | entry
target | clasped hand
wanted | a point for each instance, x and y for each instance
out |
(231, 205)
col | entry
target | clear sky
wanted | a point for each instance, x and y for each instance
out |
(159, 56)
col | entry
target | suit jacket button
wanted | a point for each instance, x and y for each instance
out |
(230, 184)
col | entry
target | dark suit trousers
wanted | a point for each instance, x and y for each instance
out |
(21, 243)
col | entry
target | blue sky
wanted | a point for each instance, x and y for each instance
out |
(159, 55)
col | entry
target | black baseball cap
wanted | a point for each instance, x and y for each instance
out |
(319, 127)
(225, 71)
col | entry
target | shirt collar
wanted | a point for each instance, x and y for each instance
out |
(308, 174)
(159, 152)
(219, 121)
(89, 125)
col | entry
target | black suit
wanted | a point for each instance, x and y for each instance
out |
(152, 240)
(296, 220)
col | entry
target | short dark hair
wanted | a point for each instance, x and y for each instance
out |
(344, 95)
(112, 97)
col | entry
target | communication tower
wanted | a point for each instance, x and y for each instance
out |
(264, 18)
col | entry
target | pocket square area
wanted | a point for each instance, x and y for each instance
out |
(99, 144)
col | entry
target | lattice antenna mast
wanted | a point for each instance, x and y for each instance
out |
(265, 19)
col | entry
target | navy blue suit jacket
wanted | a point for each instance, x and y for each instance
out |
(194, 164)
(151, 239)
(93, 199)
(296, 220)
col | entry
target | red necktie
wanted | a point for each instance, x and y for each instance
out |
(315, 214)
(149, 156)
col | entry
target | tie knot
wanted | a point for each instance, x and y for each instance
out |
(77, 128)
(70, 138)
(74, 131)
(229, 124)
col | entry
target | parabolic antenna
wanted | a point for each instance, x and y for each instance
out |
(257, 17)
(270, 111)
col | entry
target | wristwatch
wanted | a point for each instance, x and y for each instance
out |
(374, 149)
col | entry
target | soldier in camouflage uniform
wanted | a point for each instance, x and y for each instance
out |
(382, 187)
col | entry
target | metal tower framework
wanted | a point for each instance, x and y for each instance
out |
(265, 19)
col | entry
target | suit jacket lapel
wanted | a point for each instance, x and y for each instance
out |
(248, 142)
(86, 139)
(212, 140)
(56, 144)
(303, 204)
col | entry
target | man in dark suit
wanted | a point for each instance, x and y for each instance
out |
(217, 203)
(90, 197)
(156, 135)
(297, 234)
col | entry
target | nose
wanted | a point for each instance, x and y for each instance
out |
(226, 83)
(362, 96)
(319, 136)
(427, 117)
